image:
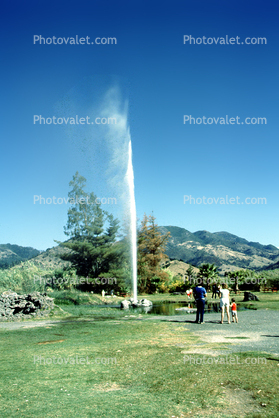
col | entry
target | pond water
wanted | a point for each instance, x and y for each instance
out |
(177, 308)
(181, 308)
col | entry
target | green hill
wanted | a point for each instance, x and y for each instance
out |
(12, 254)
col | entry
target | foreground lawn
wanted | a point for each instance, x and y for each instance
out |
(121, 366)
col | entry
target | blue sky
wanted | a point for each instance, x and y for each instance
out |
(163, 80)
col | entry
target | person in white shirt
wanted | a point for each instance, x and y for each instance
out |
(224, 302)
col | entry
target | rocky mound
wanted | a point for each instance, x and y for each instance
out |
(14, 306)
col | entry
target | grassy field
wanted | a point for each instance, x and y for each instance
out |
(268, 299)
(121, 366)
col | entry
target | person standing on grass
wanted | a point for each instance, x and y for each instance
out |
(215, 290)
(200, 295)
(234, 311)
(224, 302)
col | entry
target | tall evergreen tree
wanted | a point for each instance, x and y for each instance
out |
(190, 273)
(151, 247)
(92, 233)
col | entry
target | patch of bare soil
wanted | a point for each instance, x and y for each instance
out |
(238, 402)
(51, 342)
(233, 403)
(107, 387)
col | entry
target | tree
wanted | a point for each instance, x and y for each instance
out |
(209, 272)
(151, 247)
(241, 277)
(234, 279)
(92, 247)
(191, 275)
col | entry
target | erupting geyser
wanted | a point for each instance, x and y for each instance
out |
(133, 222)
(134, 302)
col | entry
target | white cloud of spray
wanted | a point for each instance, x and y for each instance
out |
(100, 151)
(117, 137)
(121, 171)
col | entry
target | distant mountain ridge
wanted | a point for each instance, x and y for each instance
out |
(229, 252)
(12, 254)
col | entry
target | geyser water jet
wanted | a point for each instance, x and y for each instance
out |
(133, 222)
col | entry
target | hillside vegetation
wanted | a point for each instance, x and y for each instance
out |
(11, 254)
(227, 251)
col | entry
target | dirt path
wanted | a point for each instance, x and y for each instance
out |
(255, 331)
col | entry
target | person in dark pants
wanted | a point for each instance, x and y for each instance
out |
(215, 290)
(200, 295)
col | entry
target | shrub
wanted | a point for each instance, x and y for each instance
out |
(22, 278)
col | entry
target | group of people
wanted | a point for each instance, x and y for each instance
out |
(223, 293)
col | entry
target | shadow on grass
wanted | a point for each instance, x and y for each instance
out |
(272, 336)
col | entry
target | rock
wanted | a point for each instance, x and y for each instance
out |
(249, 296)
(145, 302)
(9, 293)
(14, 306)
(142, 302)
(125, 304)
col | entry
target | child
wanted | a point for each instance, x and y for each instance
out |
(234, 311)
